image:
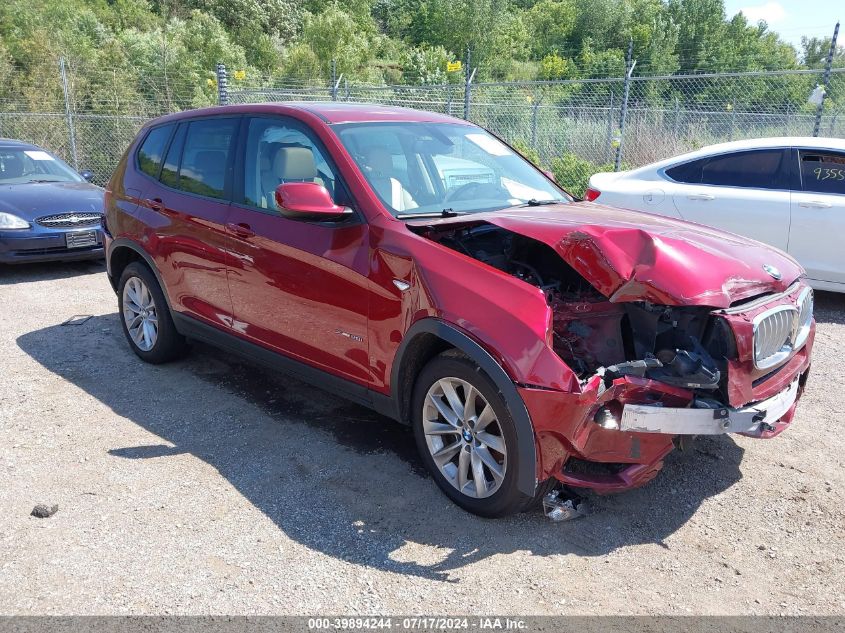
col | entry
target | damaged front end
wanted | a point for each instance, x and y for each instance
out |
(652, 370)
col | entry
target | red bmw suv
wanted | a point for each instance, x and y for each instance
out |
(416, 264)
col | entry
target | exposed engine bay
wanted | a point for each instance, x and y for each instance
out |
(682, 346)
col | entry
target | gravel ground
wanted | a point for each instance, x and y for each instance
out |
(211, 486)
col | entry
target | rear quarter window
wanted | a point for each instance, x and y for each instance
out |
(151, 152)
(686, 172)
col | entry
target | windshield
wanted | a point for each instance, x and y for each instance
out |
(443, 168)
(21, 166)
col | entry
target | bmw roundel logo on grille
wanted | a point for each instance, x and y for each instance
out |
(774, 272)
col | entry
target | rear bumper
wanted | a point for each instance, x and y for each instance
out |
(44, 247)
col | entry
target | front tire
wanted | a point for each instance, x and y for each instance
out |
(467, 437)
(145, 317)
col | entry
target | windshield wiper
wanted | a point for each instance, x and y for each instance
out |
(42, 180)
(444, 213)
(535, 203)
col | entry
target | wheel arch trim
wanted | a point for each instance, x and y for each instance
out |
(526, 444)
(123, 242)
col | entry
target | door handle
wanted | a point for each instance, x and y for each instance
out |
(241, 229)
(815, 204)
(701, 196)
(155, 204)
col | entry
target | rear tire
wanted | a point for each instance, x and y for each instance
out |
(145, 317)
(467, 437)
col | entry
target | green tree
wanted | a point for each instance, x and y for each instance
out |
(556, 67)
(655, 36)
(701, 32)
(814, 52)
(425, 65)
(336, 35)
(458, 25)
(551, 23)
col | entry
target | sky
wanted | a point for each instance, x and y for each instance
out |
(793, 18)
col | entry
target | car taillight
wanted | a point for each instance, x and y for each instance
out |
(591, 194)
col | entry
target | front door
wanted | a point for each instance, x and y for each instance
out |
(297, 287)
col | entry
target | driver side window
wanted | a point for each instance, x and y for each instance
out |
(279, 151)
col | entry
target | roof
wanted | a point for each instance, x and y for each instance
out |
(334, 112)
(10, 142)
(820, 142)
(330, 112)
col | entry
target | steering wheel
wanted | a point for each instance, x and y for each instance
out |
(471, 190)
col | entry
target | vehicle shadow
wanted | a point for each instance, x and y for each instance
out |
(829, 307)
(49, 271)
(339, 478)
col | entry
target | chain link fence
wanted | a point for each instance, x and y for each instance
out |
(572, 127)
(575, 127)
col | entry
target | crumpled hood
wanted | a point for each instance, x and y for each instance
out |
(635, 256)
(32, 200)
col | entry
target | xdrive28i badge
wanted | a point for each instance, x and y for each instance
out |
(774, 272)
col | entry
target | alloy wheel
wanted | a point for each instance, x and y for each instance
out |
(139, 314)
(464, 437)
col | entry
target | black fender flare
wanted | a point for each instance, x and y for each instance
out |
(526, 444)
(122, 242)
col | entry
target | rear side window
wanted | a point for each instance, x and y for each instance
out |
(823, 172)
(152, 150)
(170, 170)
(759, 169)
(764, 169)
(205, 155)
(687, 172)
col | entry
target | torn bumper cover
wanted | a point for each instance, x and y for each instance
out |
(614, 438)
(754, 419)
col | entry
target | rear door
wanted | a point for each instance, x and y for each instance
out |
(818, 216)
(187, 213)
(742, 192)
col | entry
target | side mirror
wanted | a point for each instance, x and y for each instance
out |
(550, 175)
(308, 201)
(87, 174)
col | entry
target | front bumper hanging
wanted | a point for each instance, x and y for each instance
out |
(751, 419)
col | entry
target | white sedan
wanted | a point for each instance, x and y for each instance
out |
(787, 192)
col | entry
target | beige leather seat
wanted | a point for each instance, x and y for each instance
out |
(295, 164)
(379, 164)
(290, 164)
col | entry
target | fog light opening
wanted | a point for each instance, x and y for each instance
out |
(606, 419)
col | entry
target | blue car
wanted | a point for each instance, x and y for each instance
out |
(48, 212)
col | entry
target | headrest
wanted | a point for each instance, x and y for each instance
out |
(12, 166)
(379, 160)
(294, 163)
